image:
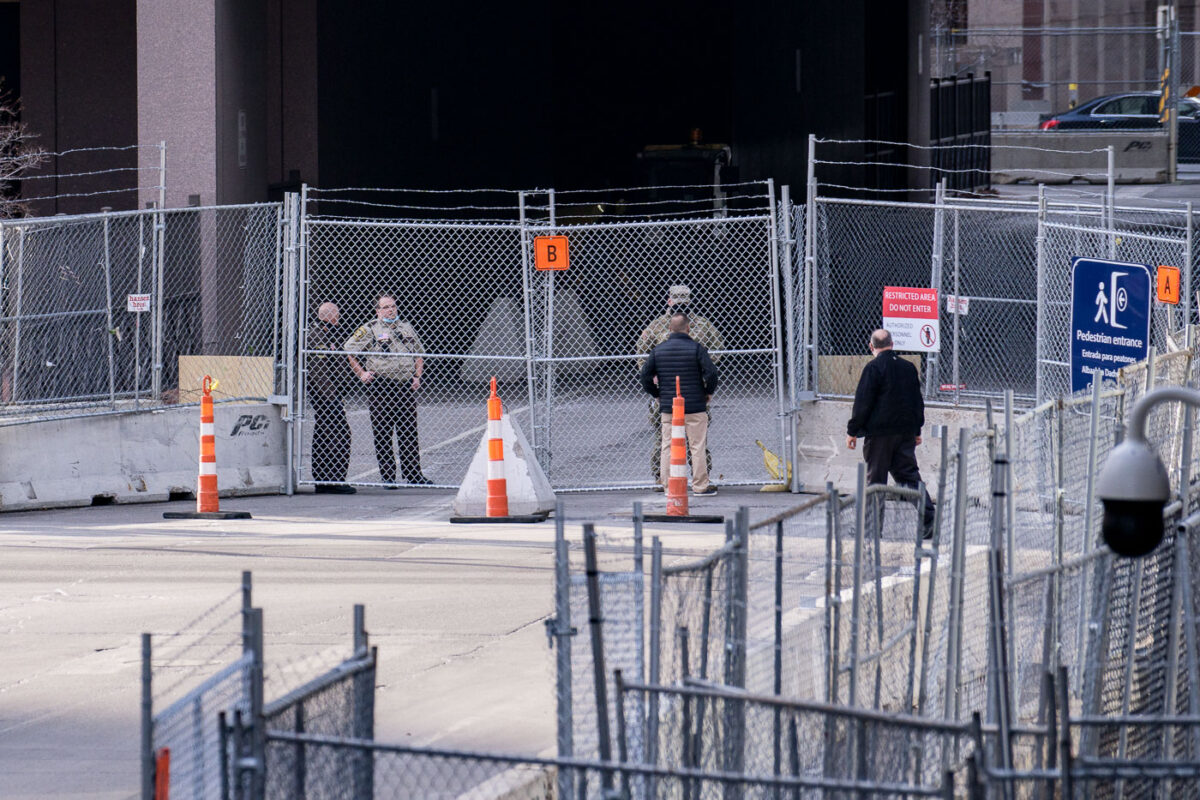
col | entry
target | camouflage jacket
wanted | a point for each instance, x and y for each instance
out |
(658, 330)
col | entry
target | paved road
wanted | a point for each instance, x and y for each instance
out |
(455, 610)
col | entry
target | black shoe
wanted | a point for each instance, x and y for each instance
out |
(421, 480)
(710, 490)
(658, 487)
(391, 487)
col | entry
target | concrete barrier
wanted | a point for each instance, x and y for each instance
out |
(139, 456)
(821, 453)
(1140, 156)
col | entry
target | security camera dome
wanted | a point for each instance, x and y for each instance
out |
(1134, 488)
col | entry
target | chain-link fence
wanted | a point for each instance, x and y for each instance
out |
(1042, 69)
(125, 311)
(430, 310)
(1003, 273)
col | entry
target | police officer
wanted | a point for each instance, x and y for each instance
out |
(391, 371)
(679, 299)
(326, 384)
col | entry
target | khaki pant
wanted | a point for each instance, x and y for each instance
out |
(696, 428)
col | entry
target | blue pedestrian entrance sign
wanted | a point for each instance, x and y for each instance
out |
(1110, 318)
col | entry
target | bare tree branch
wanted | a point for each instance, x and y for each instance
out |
(18, 155)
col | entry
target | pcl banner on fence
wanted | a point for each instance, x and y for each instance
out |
(911, 314)
(1110, 318)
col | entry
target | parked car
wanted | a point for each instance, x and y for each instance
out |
(1132, 111)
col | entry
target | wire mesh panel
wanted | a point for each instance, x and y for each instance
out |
(415, 396)
(861, 248)
(221, 297)
(339, 703)
(989, 261)
(67, 336)
(706, 728)
(403, 771)
(595, 323)
(696, 600)
(786, 565)
(621, 598)
(189, 728)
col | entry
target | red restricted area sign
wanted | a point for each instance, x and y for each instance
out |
(911, 314)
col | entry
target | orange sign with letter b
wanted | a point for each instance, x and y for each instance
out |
(550, 253)
(1168, 285)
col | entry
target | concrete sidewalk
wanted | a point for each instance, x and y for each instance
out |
(455, 610)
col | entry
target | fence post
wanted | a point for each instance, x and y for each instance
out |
(1040, 324)
(16, 379)
(527, 291)
(926, 638)
(782, 405)
(109, 330)
(656, 588)
(833, 589)
(560, 637)
(258, 734)
(147, 721)
(860, 520)
(364, 708)
(955, 373)
(595, 623)
(1110, 202)
(1088, 502)
(295, 273)
(777, 665)
(1064, 732)
(812, 322)
(622, 731)
(789, 281)
(1186, 288)
(1096, 659)
(932, 373)
(160, 260)
(958, 557)
(788, 246)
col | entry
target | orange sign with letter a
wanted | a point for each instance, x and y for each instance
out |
(1168, 285)
(550, 253)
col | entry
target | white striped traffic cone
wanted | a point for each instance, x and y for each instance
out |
(497, 486)
(677, 497)
(208, 504)
(207, 500)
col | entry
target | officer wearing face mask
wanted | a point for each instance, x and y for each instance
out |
(391, 371)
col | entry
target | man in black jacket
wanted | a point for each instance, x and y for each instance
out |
(889, 412)
(680, 356)
(326, 383)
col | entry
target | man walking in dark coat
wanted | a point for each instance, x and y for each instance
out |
(890, 412)
(326, 382)
(680, 356)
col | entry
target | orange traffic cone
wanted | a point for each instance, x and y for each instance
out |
(497, 487)
(207, 499)
(677, 499)
(208, 503)
(677, 481)
(496, 501)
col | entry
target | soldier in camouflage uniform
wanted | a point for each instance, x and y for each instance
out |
(679, 298)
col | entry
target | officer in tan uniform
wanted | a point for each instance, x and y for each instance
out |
(679, 298)
(392, 374)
